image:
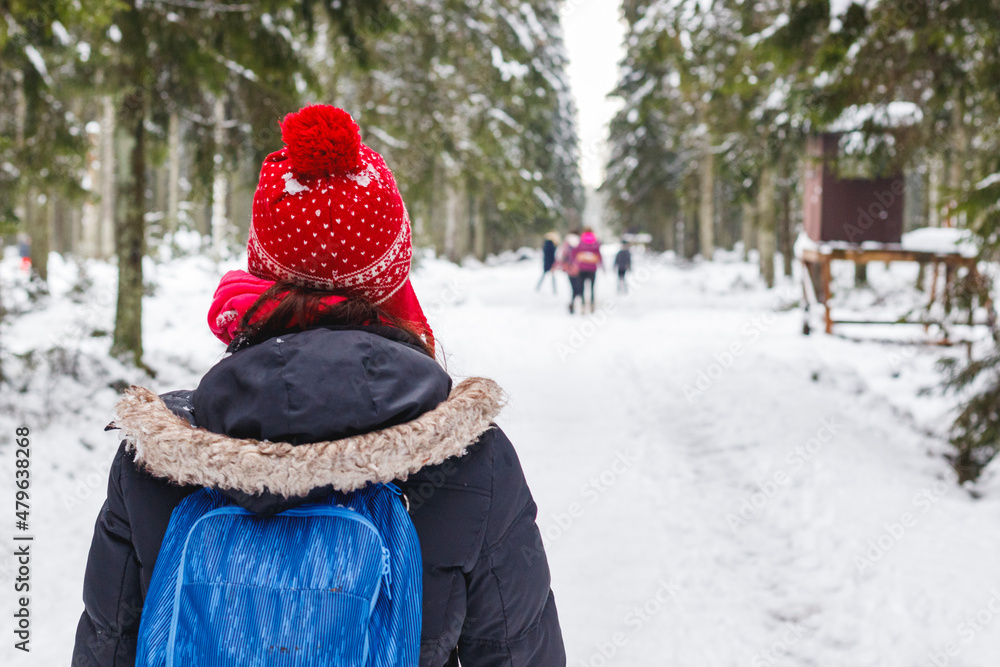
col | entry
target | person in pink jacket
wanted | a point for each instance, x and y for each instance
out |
(588, 259)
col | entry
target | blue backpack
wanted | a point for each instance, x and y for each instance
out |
(332, 583)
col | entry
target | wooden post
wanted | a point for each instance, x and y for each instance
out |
(934, 282)
(825, 281)
(949, 279)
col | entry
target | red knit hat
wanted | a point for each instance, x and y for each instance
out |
(327, 214)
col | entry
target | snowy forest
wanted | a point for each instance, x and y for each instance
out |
(761, 443)
(124, 122)
(719, 98)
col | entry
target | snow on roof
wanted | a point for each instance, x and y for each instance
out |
(894, 114)
(926, 239)
(942, 240)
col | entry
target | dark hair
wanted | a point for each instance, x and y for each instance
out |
(300, 308)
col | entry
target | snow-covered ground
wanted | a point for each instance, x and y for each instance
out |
(714, 488)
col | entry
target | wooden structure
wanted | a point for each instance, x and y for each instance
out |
(817, 277)
(860, 220)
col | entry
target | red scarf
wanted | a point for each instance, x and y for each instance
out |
(239, 290)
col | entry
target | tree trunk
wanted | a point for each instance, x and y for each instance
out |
(785, 229)
(62, 226)
(20, 110)
(669, 230)
(706, 210)
(456, 216)
(727, 236)
(668, 212)
(3, 314)
(88, 241)
(935, 168)
(76, 229)
(131, 236)
(766, 223)
(220, 185)
(956, 172)
(38, 220)
(106, 216)
(158, 186)
(665, 208)
(749, 228)
(925, 188)
(20, 117)
(913, 198)
(478, 225)
(437, 211)
(691, 216)
(173, 172)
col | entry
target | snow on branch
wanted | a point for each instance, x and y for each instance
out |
(891, 115)
(213, 7)
(38, 62)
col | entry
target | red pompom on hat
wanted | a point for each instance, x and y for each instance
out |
(327, 214)
(322, 140)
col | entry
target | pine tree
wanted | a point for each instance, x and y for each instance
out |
(42, 143)
(162, 59)
(649, 158)
(470, 106)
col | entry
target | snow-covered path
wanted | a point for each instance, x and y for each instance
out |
(731, 523)
(783, 502)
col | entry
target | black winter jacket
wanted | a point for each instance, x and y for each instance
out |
(285, 421)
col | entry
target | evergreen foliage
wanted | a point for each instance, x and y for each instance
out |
(138, 117)
(470, 104)
(746, 82)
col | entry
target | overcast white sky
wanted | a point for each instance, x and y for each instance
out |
(594, 35)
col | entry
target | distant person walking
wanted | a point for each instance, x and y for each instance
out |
(623, 264)
(566, 261)
(588, 259)
(549, 259)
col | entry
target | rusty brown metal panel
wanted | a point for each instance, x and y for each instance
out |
(857, 210)
(853, 210)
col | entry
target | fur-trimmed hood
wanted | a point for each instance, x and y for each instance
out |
(347, 407)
